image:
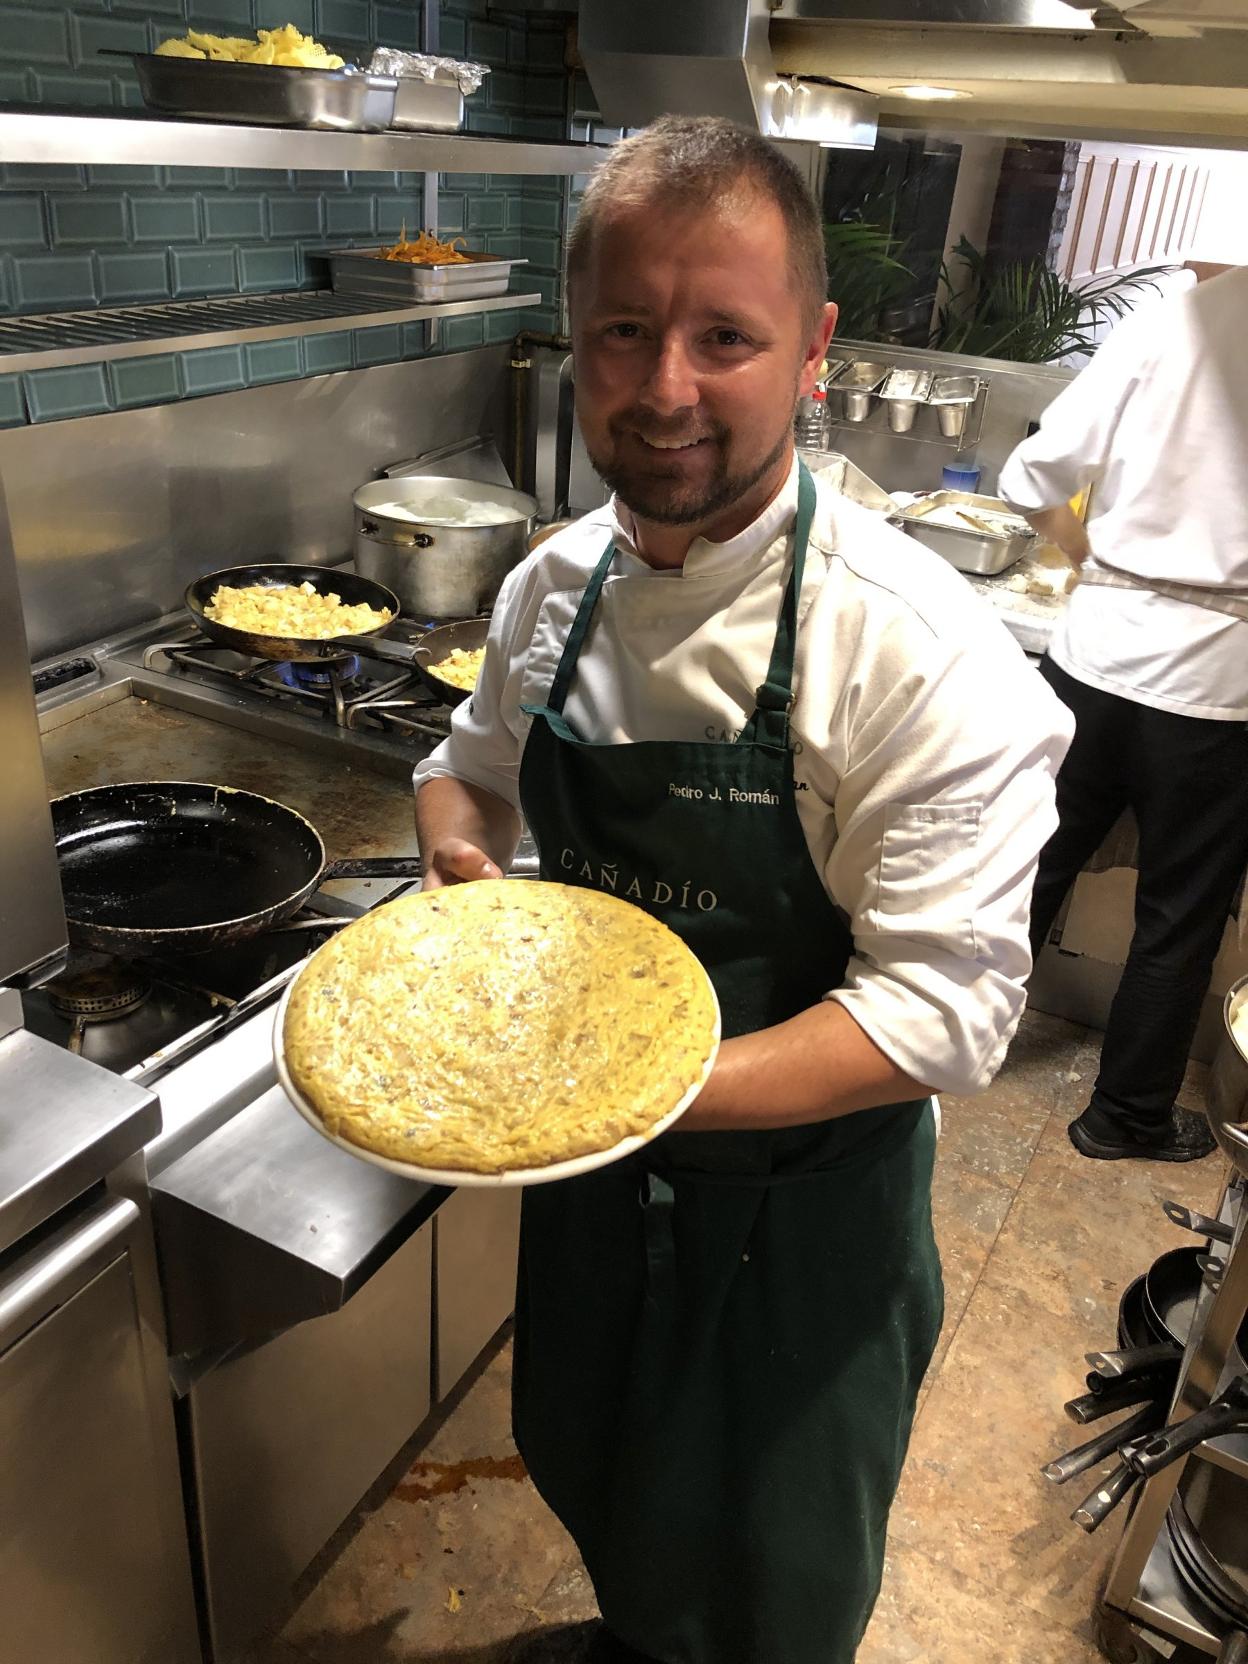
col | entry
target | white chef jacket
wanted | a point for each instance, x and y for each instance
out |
(925, 745)
(1158, 424)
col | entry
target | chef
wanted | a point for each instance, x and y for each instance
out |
(1151, 655)
(801, 741)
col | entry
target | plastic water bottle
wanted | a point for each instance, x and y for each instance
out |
(810, 425)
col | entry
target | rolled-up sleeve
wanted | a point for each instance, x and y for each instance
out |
(942, 810)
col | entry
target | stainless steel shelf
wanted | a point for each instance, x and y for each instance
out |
(138, 139)
(49, 340)
(1164, 1603)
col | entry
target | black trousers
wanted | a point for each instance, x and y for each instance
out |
(1186, 779)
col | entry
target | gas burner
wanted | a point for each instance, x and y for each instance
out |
(96, 988)
(321, 675)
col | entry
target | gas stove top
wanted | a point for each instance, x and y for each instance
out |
(138, 1017)
(369, 704)
(374, 689)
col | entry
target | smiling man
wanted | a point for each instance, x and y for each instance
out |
(824, 763)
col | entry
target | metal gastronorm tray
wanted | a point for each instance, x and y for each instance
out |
(366, 272)
(272, 95)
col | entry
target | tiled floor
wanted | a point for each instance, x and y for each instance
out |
(461, 1564)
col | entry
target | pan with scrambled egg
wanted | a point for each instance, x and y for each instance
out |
(289, 611)
(498, 1031)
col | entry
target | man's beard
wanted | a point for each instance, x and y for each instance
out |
(673, 502)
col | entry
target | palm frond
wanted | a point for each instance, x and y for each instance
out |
(1024, 311)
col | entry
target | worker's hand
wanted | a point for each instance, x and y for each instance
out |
(455, 861)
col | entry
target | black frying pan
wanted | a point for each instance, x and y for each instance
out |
(436, 644)
(155, 867)
(351, 590)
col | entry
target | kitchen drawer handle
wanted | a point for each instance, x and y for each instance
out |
(63, 1265)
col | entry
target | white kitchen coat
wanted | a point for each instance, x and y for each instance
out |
(925, 745)
(1158, 425)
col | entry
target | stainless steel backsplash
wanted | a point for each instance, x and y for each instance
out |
(112, 516)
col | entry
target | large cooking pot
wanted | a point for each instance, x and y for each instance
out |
(1228, 1084)
(438, 571)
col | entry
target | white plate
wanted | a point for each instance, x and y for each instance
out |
(519, 1175)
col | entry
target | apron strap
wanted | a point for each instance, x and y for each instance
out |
(576, 635)
(769, 724)
(1230, 601)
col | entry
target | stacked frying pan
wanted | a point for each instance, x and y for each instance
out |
(1207, 1520)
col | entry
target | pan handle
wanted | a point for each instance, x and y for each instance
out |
(1091, 1406)
(1188, 1220)
(1227, 1414)
(1105, 1498)
(380, 866)
(1111, 1365)
(1104, 1445)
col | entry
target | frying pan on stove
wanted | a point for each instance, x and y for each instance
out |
(351, 589)
(175, 866)
(469, 634)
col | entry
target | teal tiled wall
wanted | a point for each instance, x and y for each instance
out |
(73, 237)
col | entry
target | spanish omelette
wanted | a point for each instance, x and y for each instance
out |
(499, 1026)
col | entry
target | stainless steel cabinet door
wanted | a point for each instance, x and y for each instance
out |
(478, 1242)
(84, 1566)
(290, 1434)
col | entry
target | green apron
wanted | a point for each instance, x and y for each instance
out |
(719, 1342)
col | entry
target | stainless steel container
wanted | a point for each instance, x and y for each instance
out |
(853, 387)
(904, 390)
(831, 468)
(438, 571)
(428, 106)
(983, 548)
(1228, 1083)
(271, 95)
(953, 397)
(366, 272)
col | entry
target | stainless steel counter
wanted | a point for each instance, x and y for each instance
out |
(75, 1124)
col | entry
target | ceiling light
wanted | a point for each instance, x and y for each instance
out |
(930, 94)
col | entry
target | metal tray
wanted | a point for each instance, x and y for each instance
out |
(969, 549)
(428, 106)
(365, 272)
(268, 95)
(841, 474)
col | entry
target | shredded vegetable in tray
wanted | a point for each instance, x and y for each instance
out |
(286, 47)
(425, 250)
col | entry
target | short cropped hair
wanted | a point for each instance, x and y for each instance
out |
(686, 161)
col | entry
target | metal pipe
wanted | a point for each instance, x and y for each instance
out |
(520, 363)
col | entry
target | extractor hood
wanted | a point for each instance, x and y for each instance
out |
(650, 58)
(1147, 71)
